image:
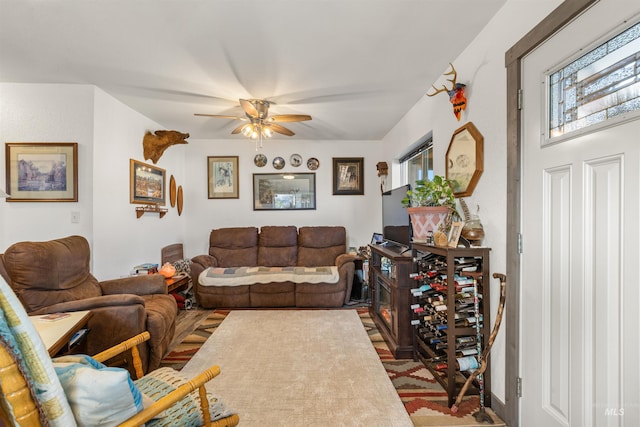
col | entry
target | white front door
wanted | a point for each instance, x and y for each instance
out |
(580, 298)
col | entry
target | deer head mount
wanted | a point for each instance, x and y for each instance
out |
(154, 144)
(456, 93)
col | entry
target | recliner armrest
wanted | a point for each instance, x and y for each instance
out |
(91, 304)
(201, 263)
(205, 261)
(344, 258)
(138, 285)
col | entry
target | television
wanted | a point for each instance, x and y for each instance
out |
(396, 226)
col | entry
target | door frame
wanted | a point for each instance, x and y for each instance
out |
(544, 30)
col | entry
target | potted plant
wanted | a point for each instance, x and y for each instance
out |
(431, 205)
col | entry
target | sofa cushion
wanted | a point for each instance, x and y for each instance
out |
(234, 246)
(318, 246)
(278, 246)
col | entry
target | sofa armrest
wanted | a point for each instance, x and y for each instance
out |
(344, 258)
(147, 284)
(201, 263)
(91, 304)
(205, 260)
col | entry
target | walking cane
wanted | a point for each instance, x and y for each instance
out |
(481, 415)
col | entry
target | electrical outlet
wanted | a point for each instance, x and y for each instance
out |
(75, 217)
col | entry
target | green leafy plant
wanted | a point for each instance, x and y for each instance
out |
(438, 192)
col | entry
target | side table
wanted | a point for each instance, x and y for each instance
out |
(56, 334)
(177, 282)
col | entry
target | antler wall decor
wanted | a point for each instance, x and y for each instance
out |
(456, 93)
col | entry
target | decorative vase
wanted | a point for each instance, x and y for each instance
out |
(425, 219)
(473, 230)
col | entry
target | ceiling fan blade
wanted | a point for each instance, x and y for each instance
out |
(281, 129)
(217, 116)
(237, 130)
(248, 108)
(289, 118)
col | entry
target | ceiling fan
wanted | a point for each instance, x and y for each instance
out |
(260, 123)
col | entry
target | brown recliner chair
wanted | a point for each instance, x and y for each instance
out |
(54, 276)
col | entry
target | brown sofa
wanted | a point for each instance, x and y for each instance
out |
(54, 276)
(276, 246)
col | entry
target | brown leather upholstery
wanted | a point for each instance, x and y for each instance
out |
(276, 246)
(54, 276)
(234, 247)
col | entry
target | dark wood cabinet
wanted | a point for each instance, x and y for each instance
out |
(390, 293)
(444, 317)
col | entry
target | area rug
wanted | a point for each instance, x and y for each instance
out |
(299, 368)
(424, 399)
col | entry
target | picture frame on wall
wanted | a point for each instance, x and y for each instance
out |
(348, 175)
(148, 183)
(284, 191)
(42, 171)
(222, 177)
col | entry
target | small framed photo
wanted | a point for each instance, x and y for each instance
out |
(454, 234)
(147, 183)
(348, 175)
(42, 172)
(222, 176)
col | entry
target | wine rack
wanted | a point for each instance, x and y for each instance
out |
(444, 315)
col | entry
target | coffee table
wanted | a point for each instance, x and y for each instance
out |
(56, 334)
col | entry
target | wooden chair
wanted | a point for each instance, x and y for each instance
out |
(27, 374)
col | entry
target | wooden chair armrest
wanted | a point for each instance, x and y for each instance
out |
(169, 400)
(131, 343)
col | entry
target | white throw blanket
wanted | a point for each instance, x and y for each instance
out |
(237, 276)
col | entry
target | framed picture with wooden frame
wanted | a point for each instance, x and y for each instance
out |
(465, 159)
(222, 177)
(454, 234)
(42, 171)
(348, 175)
(148, 183)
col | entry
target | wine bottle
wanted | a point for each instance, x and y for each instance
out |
(466, 363)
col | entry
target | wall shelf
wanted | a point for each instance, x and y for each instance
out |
(141, 210)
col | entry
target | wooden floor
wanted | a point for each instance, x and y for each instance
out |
(186, 322)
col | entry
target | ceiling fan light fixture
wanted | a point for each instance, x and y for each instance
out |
(267, 132)
(247, 130)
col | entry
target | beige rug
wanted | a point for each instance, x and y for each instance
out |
(299, 368)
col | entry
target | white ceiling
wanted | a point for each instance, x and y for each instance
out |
(355, 66)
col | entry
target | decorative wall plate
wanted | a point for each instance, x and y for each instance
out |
(278, 163)
(172, 191)
(313, 163)
(179, 200)
(260, 160)
(295, 160)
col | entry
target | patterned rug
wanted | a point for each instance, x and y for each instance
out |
(423, 397)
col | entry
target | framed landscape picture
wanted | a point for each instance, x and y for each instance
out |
(42, 171)
(222, 177)
(348, 175)
(147, 183)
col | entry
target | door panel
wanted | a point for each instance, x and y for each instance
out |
(580, 331)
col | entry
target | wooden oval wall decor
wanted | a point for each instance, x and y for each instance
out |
(179, 200)
(172, 191)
